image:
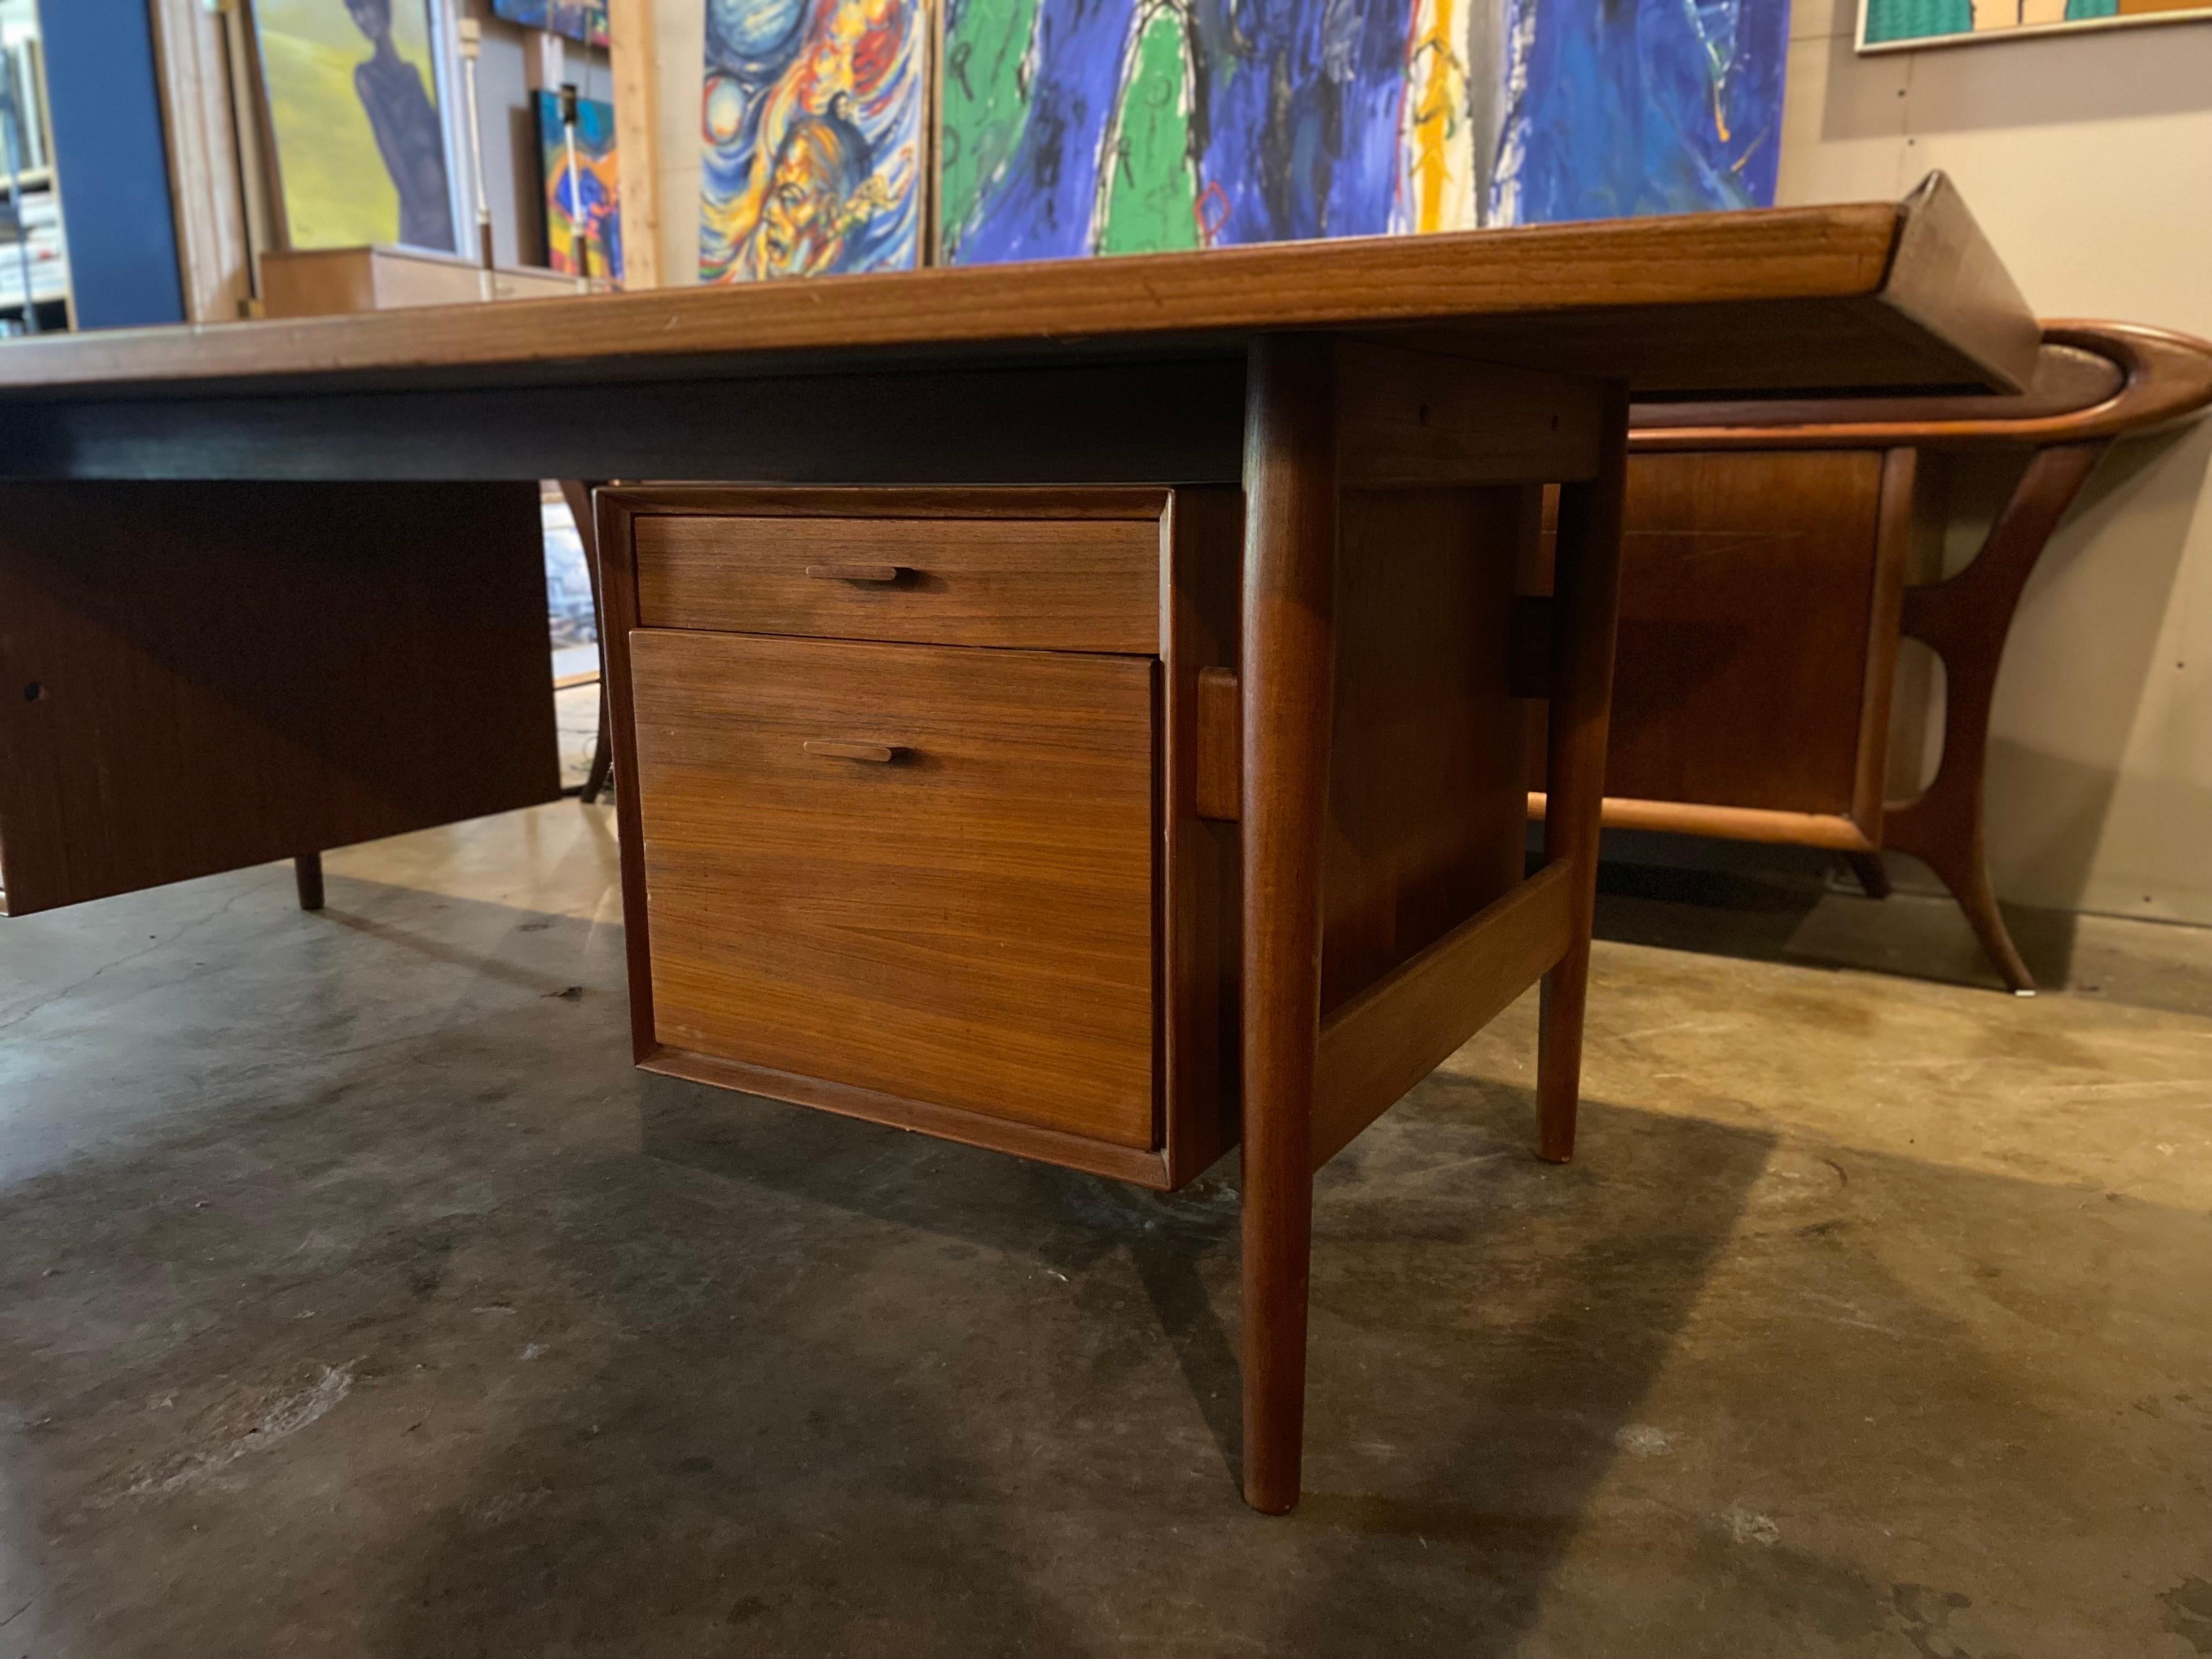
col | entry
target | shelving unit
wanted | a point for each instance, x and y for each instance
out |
(32, 225)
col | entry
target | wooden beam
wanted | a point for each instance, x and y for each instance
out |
(1425, 419)
(1830, 829)
(637, 142)
(212, 255)
(1398, 1031)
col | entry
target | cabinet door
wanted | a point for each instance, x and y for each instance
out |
(923, 870)
(199, 676)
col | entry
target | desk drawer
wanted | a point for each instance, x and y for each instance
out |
(1041, 583)
(922, 871)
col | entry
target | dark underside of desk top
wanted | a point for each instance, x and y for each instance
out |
(1137, 363)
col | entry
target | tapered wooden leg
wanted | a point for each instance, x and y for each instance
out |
(1289, 652)
(577, 492)
(308, 876)
(1965, 618)
(1586, 588)
(1871, 873)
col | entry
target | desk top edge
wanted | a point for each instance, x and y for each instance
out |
(1921, 266)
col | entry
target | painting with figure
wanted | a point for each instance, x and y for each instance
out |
(352, 98)
(587, 197)
(579, 20)
(813, 143)
(1096, 126)
(1898, 25)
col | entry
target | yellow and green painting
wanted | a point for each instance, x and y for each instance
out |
(352, 96)
(1891, 25)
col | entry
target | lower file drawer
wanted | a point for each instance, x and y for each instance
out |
(924, 871)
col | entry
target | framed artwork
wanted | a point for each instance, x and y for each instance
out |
(585, 196)
(814, 117)
(1901, 25)
(578, 20)
(360, 145)
(1070, 127)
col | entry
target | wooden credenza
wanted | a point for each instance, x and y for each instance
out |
(1776, 554)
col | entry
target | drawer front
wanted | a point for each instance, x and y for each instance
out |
(1042, 583)
(920, 871)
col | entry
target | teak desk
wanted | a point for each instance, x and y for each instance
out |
(262, 590)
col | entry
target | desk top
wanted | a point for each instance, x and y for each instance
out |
(1894, 295)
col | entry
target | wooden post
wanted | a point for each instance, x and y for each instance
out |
(631, 64)
(1586, 591)
(1289, 651)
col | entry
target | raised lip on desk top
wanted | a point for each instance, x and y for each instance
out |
(1919, 268)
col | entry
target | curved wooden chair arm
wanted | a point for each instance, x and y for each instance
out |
(2092, 379)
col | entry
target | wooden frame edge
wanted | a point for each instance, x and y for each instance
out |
(1043, 1145)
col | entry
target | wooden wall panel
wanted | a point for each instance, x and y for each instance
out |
(197, 678)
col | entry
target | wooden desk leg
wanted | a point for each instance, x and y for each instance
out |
(307, 876)
(1587, 611)
(1964, 618)
(1289, 664)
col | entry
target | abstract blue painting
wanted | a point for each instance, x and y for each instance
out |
(1613, 110)
(1070, 127)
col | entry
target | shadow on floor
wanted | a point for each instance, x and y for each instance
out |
(905, 1397)
(1799, 906)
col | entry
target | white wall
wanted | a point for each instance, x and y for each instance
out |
(2087, 158)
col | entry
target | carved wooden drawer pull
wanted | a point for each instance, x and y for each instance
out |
(878, 575)
(879, 754)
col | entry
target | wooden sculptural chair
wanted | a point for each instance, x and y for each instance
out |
(1774, 556)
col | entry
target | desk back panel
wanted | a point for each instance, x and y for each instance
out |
(197, 677)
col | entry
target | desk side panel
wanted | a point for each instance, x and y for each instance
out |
(197, 677)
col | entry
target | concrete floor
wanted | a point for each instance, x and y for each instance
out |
(357, 1298)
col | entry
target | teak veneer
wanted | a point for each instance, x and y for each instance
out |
(1220, 750)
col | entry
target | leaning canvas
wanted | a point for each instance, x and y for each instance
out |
(1102, 126)
(585, 198)
(579, 20)
(813, 113)
(351, 95)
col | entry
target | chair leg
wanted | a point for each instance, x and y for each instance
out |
(1871, 873)
(603, 756)
(1289, 664)
(1586, 589)
(307, 876)
(1964, 618)
(1955, 853)
(578, 493)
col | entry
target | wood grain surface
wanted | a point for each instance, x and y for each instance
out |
(970, 924)
(1042, 583)
(197, 677)
(1878, 293)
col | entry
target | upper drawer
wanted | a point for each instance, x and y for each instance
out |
(1044, 584)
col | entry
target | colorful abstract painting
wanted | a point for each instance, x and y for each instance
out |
(352, 97)
(1894, 25)
(813, 115)
(1099, 126)
(579, 20)
(586, 194)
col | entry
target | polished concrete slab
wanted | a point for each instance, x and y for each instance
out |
(356, 1298)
